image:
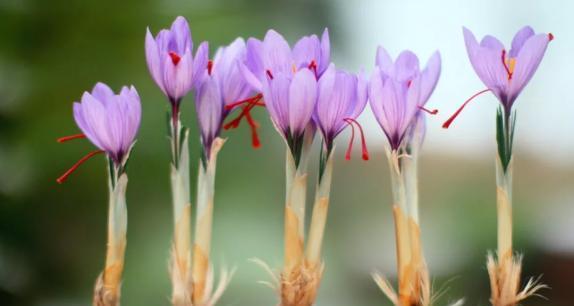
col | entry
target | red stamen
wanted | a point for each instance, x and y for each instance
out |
(447, 123)
(269, 74)
(503, 57)
(64, 176)
(313, 67)
(550, 37)
(175, 58)
(71, 137)
(248, 100)
(209, 66)
(365, 152)
(430, 112)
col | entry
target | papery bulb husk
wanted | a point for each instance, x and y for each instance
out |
(300, 284)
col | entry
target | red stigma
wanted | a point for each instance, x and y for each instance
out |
(246, 112)
(313, 67)
(352, 122)
(269, 74)
(175, 58)
(209, 67)
(503, 57)
(550, 37)
(66, 174)
(71, 137)
(409, 83)
(426, 110)
(248, 100)
(447, 123)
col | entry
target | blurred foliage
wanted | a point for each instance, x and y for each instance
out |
(52, 238)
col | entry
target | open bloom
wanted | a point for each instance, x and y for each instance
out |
(109, 121)
(505, 73)
(399, 90)
(220, 90)
(273, 55)
(341, 99)
(170, 61)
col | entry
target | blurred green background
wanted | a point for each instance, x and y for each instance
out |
(52, 237)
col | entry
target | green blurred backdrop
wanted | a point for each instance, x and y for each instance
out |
(52, 237)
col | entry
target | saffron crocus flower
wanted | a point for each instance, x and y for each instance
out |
(505, 74)
(273, 55)
(399, 90)
(170, 61)
(290, 98)
(111, 123)
(176, 72)
(221, 90)
(341, 99)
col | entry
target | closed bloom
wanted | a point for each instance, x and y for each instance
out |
(399, 90)
(341, 99)
(170, 61)
(505, 73)
(222, 89)
(273, 55)
(290, 98)
(109, 121)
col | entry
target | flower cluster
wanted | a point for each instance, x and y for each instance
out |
(303, 92)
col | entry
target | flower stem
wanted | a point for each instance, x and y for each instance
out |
(107, 290)
(203, 225)
(319, 216)
(181, 249)
(296, 189)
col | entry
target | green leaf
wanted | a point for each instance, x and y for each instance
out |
(500, 138)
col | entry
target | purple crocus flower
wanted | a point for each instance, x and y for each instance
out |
(170, 61)
(290, 98)
(109, 121)
(222, 89)
(273, 55)
(505, 73)
(399, 90)
(341, 99)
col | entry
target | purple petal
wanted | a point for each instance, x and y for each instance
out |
(324, 113)
(276, 96)
(491, 42)
(429, 77)
(198, 66)
(276, 55)
(302, 100)
(209, 108)
(94, 116)
(519, 39)
(181, 35)
(250, 78)
(383, 60)
(102, 92)
(325, 52)
(527, 62)
(376, 99)
(153, 60)
(254, 59)
(487, 64)
(177, 79)
(406, 66)
(307, 50)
